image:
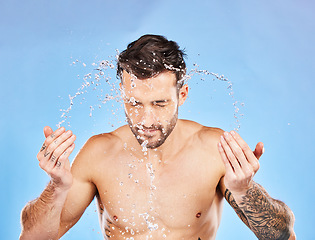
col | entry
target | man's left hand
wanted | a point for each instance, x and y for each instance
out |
(240, 162)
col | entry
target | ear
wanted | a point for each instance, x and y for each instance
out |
(121, 88)
(183, 94)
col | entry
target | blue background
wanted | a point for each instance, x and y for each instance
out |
(266, 48)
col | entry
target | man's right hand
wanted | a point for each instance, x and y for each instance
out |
(53, 156)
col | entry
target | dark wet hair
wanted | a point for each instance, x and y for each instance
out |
(151, 55)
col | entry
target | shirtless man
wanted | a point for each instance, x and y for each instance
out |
(157, 177)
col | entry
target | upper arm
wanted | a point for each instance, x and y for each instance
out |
(228, 195)
(210, 138)
(81, 192)
(79, 198)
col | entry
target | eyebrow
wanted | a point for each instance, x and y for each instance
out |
(155, 101)
(161, 101)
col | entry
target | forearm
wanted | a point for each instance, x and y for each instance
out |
(41, 217)
(267, 218)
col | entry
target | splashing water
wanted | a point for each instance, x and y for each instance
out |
(198, 71)
(100, 82)
(151, 225)
(152, 176)
(103, 73)
(144, 147)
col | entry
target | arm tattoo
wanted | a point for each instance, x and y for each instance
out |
(107, 228)
(230, 199)
(268, 218)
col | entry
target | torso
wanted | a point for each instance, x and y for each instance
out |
(143, 197)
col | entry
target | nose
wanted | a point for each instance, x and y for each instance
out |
(148, 118)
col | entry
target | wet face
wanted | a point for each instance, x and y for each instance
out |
(151, 107)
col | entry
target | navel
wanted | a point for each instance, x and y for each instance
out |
(198, 215)
(115, 218)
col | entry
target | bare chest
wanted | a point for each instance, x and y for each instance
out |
(141, 195)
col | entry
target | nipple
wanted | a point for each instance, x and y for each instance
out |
(115, 218)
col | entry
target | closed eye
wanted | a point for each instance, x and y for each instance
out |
(160, 103)
(132, 102)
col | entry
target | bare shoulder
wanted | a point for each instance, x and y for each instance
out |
(97, 149)
(105, 142)
(208, 139)
(207, 135)
(210, 135)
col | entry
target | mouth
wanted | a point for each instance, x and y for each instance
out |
(148, 131)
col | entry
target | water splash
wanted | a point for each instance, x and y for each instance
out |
(101, 75)
(236, 104)
(144, 147)
(102, 82)
(151, 174)
(150, 223)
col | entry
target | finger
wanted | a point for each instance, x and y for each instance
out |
(237, 151)
(50, 135)
(228, 166)
(65, 145)
(46, 149)
(65, 155)
(64, 142)
(51, 162)
(259, 150)
(63, 160)
(230, 156)
(253, 161)
(55, 139)
(47, 131)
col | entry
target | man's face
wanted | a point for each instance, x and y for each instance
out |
(151, 107)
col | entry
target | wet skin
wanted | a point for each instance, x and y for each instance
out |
(157, 178)
(169, 189)
(184, 201)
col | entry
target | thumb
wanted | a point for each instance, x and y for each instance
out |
(47, 131)
(259, 150)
